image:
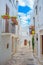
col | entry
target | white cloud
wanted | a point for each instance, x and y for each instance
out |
(28, 16)
(30, 3)
(21, 14)
(26, 2)
(24, 17)
(21, 2)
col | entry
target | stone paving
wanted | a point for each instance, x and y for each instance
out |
(23, 57)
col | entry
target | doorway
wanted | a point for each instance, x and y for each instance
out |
(25, 42)
(12, 44)
(42, 44)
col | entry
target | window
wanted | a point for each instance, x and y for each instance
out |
(13, 29)
(36, 8)
(16, 3)
(34, 20)
(7, 45)
(7, 9)
(7, 21)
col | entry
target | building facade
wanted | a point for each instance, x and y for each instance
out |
(8, 10)
(8, 29)
(38, 23)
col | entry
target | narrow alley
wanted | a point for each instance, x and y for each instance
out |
(21, 32)
(23, 57)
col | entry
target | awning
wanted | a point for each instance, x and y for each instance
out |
(14, 20)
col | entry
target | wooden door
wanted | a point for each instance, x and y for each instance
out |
(7, 21)
(12, 44)
(42, 44)
(25, 42)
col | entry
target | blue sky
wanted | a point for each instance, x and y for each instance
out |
(24, 9)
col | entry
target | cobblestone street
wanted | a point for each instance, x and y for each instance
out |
(23, 57)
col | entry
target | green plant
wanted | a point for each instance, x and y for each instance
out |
(33, 43)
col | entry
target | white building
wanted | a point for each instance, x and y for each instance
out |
(38, 23)
(8, 29)
(9, 7)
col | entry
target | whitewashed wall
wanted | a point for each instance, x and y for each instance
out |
(5, 53)
(38, 23)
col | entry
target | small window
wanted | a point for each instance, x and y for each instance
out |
(34, 20)
(36, 8)
(7, 45)
(37, 39)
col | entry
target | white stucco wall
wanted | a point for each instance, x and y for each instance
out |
(5, 53)
(39, 16)
(38, 22)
